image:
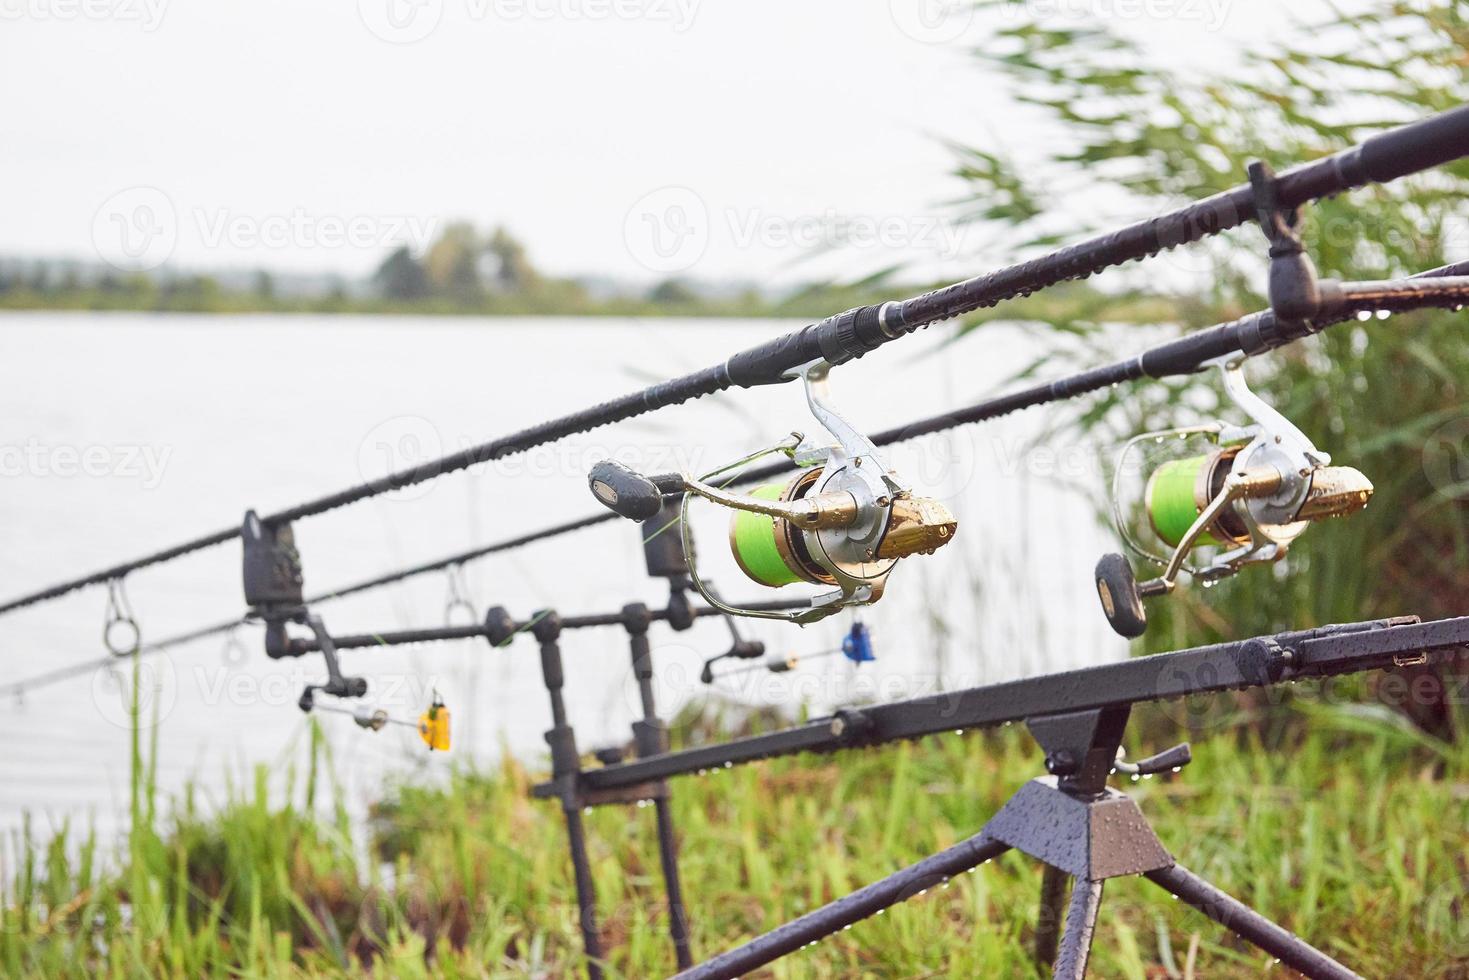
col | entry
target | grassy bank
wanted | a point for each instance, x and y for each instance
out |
(1350, 831)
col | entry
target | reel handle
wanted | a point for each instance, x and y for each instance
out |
(630, 494)
(1122, 600)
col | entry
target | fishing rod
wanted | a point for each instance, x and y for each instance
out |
(1408, 149)
(841, 524)
(1253, 334)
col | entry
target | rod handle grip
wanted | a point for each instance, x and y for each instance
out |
(628, 493)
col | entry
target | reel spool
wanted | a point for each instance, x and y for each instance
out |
(1255, 492)
(843, 522)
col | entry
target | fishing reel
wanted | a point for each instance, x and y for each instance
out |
(842, 522)
(1259, 488)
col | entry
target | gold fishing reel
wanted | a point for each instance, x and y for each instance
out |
(1249, 497)
(843, 522)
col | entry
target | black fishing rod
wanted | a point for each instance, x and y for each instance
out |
(1252, 334)
(848, 519)
(1388, 156)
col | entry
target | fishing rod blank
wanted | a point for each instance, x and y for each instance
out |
(1387, 156)
(1253, 334)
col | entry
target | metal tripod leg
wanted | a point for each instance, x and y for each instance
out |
(1048, 927)
(586, 897)
(651, 738)
(565, 767)
(678, 925)
(861, 904)
(1249, 925)
(1081, 922)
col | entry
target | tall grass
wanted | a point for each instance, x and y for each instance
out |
(1332, 825)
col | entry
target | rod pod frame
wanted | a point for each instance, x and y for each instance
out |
(650, 738)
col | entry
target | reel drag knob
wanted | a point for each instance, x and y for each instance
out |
(628, 493)
(1122, 603)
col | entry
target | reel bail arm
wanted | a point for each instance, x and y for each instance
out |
(842, 522)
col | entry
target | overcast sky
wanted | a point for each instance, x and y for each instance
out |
(632, 138)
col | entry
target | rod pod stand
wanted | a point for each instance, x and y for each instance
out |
(500, 629)
(1078, 827)
(650, 738)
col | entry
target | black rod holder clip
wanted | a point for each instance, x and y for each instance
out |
(1297, 295)
(337, 684)
(271, 572)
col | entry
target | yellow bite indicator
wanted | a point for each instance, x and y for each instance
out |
(433, 726)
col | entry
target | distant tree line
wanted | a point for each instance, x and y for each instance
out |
(463, 271)
(465, 267)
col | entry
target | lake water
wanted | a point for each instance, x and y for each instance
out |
(121, 433)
